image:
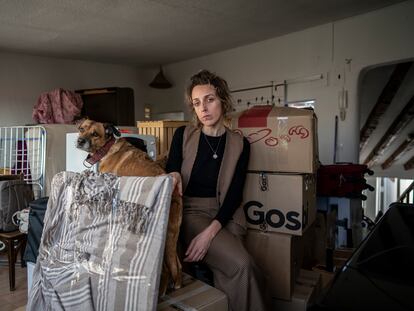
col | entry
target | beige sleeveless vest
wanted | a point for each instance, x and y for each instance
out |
(232, 151)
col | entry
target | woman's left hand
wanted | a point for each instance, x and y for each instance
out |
(200, 244)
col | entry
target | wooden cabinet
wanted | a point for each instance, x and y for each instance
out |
(112, 104)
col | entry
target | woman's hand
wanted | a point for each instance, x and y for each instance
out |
(200, 244)
(177, 183)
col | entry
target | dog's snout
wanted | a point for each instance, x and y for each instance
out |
(81, 141)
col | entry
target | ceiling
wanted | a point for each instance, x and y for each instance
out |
(390, 89)
(154, 32)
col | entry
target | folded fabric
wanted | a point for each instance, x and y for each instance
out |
(102, 243)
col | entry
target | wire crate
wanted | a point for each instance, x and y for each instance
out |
(22, 151)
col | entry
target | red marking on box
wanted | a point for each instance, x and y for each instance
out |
(255, 117)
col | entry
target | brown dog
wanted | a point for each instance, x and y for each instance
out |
(123, 159)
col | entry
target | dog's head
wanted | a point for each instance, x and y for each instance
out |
(94, 135)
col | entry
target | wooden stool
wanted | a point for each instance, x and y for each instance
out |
(14, 241)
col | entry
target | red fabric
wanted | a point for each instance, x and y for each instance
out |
(254, 117)
(57, 106)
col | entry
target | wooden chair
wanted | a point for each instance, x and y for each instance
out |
(15, 241)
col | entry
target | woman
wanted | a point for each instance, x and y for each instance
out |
(209, 162)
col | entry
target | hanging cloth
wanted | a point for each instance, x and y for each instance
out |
(57, 106)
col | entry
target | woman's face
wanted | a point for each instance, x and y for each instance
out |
(207, 105)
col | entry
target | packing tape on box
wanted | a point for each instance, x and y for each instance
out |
(284, 139)
(177, 301)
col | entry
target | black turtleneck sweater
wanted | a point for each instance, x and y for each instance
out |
(204, 175)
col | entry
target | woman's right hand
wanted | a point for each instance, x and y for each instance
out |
(200, 244)
(177, 183)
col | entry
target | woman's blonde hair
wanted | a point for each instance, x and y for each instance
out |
(222, 91)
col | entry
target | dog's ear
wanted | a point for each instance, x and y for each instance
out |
(79, 121)
(111, 130)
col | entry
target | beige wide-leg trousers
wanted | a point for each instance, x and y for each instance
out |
(234, 271)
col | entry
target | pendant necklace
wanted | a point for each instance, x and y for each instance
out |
(215, 156)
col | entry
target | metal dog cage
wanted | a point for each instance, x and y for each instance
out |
(22, 151)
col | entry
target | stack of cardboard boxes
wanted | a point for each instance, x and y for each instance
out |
(280, 191)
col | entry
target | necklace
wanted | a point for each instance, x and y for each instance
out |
(215, 156)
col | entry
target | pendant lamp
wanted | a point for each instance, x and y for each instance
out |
(160, 81)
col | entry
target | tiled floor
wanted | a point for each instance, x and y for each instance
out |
(10, 301)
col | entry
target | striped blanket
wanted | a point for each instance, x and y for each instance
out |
(102, 244)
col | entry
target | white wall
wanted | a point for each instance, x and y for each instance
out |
(390, 192)
(345, 47)
(24, 77)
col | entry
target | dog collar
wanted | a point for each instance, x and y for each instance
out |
(99, 154)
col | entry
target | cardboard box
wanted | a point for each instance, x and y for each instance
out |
(326, 276)
(301, 298)
(162, 130)
(307, 287)
(5, 171)
(278, 256)
(309, 278)
(282, 139)
(194, 295)
(343, 252)
(341, 256)
(280, 202)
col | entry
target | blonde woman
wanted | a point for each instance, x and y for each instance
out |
(209, 162)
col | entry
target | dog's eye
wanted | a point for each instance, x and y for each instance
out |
(81, 129)
(94, 134)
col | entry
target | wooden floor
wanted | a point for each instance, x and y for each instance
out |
(10, 301)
